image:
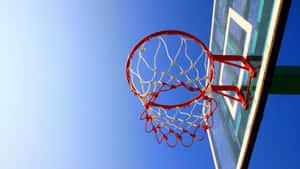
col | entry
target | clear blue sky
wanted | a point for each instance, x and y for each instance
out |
(65, 102)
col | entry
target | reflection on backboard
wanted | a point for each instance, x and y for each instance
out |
(248, 28)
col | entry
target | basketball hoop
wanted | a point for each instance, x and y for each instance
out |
(148, 79)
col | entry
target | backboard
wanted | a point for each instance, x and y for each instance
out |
(252, 28)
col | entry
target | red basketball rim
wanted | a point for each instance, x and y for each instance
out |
(169, 32)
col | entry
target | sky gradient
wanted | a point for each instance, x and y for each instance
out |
(65, 102)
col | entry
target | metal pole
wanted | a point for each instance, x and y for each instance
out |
(286, 80)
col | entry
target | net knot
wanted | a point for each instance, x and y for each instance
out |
(148, 117)
(205, 127)
(142, 50)
(164, 83)
(178, 136)
(154, 94)
(181, 83)
(154, 129)
(146, 106)
(172, 86)
(207, 116)
(171, 131)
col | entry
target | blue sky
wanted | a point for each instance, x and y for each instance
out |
(65, 102)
